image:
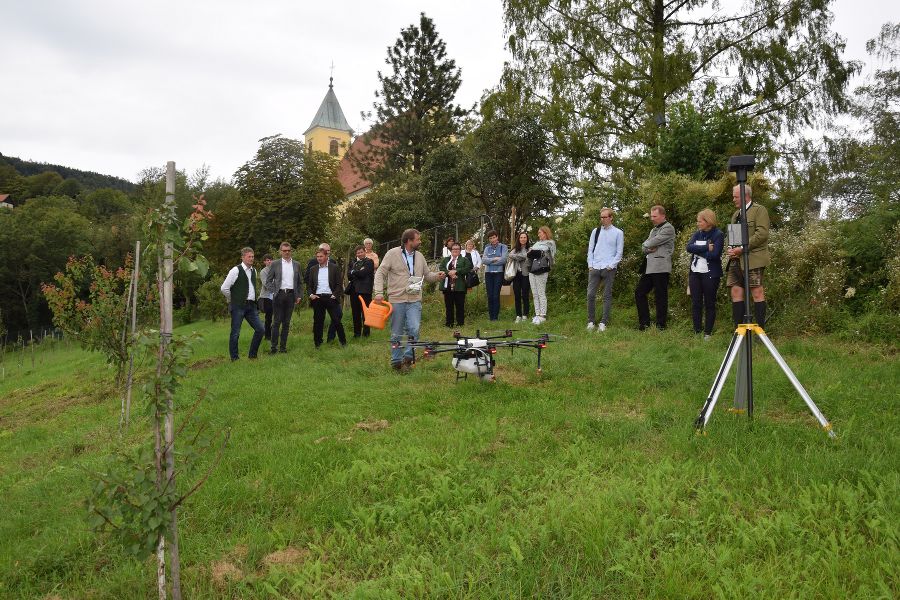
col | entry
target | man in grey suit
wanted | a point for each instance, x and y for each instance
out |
(658, 249)
(285, 278)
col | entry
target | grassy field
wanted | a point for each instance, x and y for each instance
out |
(344, 479)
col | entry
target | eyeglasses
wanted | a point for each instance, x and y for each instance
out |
(286, 250)
(606, 216)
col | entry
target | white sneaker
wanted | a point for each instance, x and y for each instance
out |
(541, 320)
(601, 327)
(536, 320)
(590, 326)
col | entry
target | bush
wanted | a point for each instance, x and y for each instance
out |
(805, 283)
(89, 304)
(211, 303)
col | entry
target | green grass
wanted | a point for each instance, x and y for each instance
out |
(586, 481)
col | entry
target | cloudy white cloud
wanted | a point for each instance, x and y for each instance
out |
(115, 87)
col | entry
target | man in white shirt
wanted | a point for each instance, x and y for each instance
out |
(604, 255)
(324, 281)
(239, 288)
(285, 278)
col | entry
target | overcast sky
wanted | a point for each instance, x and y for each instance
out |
(114, 87)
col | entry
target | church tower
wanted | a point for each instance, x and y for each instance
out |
(329, 131)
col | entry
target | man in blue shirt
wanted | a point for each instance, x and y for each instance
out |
(603, 256)
(493, 257)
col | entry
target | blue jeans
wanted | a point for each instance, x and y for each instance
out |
(407, 318)
(238, 314)
(493, 282)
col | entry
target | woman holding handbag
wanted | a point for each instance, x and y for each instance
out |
(542, 255)
(455, 267)
(518, 256)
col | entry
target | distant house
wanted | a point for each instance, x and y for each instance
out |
(4, 201)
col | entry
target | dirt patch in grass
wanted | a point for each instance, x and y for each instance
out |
(289, 557)
(206, 363)
(222, 572)
(379, 425)
(46, 401)
(17, 395)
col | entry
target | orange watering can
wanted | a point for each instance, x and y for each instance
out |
(376, 313)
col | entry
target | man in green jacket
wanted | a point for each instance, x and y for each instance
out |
(240, 288)
(758, 232)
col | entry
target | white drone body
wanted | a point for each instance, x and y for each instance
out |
(474, 356)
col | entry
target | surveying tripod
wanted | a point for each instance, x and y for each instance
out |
(744, 331)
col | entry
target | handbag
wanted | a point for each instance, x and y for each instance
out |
(509, 272)
(541, 264)
(472, 279)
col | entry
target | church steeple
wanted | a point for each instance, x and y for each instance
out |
(329, 131)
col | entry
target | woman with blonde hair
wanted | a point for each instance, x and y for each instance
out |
(705, 247)
(542, 256)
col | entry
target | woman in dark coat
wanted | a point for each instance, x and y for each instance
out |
(361, 273)
(705, 247)
(456, 268)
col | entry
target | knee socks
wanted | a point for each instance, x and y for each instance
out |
(737, 312)
(759, 310)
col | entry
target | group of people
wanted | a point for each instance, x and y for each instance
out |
(502, 265)
(278, 287)
(706, 247)
(401, 274)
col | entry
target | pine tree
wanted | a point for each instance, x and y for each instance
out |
(414, 110)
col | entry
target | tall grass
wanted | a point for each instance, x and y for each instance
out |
(344, 479)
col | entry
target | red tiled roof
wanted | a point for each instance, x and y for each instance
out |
(351, 179)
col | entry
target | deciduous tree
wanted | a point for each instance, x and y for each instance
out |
(605, 72)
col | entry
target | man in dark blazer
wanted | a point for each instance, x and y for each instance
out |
(325, 284)
(658, 249)
(312, 263)
(285, 277)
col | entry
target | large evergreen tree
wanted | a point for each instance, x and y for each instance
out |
(604, 72)
(414, 109)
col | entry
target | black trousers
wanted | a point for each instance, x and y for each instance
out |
(356, 309)
(332, 328)
(703, 295)
(283, 307)
(659, 283)
(265, 305)
(332, 306)
(522, 293)
(454, 302)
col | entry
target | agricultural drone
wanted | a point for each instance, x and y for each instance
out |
(475, 355)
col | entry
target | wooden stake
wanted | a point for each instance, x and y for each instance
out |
(166, 333)
(135, 276)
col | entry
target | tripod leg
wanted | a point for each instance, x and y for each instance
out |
(710, 404)
(722, 372)
(796, 383)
